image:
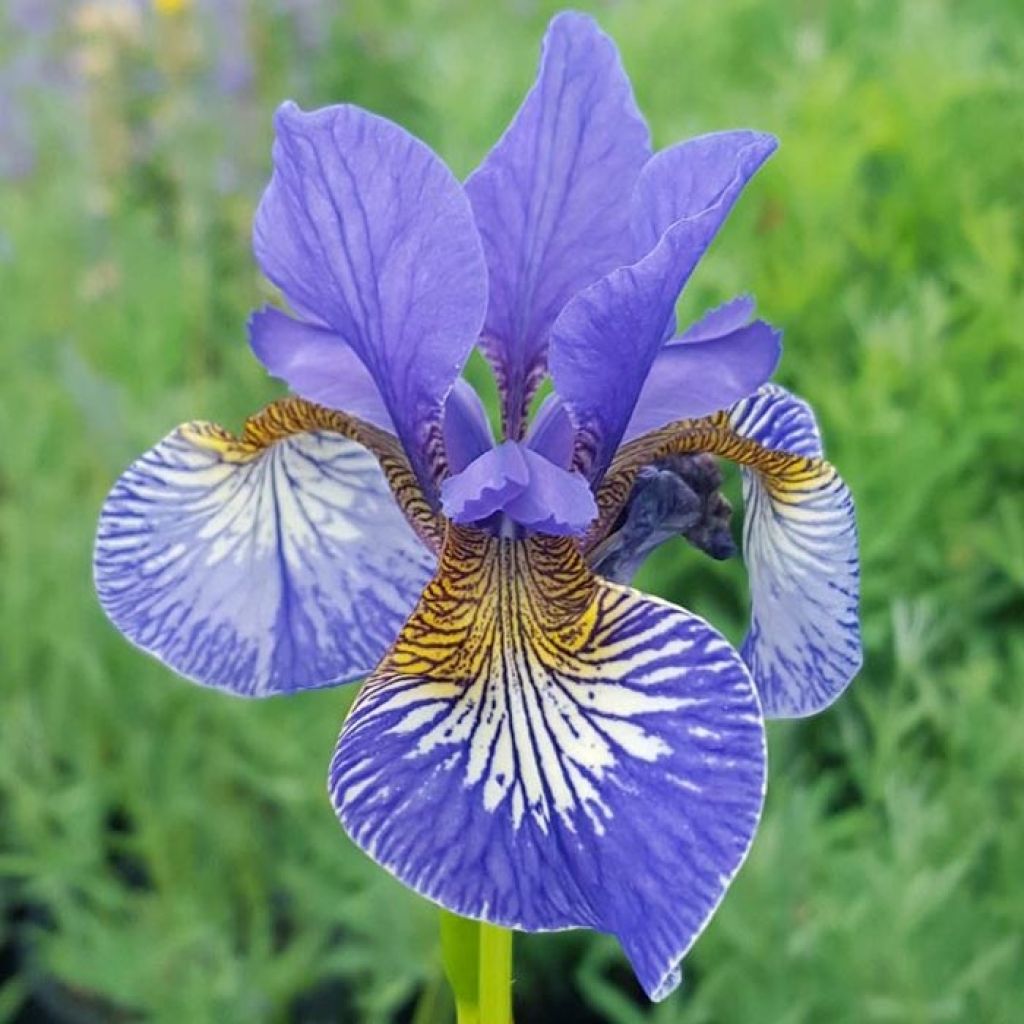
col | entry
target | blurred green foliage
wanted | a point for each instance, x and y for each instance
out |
(167, 854)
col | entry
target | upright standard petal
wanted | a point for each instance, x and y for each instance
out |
(316, 364)
(273, 562)
(552, 200)
(365, 229)
(544, 750)
(691, 177)
(689, 379)
(606, 339)
(799, 543)
(723, 319)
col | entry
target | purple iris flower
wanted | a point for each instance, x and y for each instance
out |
(537, 745)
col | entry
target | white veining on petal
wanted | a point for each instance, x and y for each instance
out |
(597, 759)
(800, 546)
(290, 568)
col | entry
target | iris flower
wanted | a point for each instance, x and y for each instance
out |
(536, 745)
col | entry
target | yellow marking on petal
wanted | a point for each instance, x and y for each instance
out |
(541, 672)
(291, 416)
(788, 478)
(496, 598)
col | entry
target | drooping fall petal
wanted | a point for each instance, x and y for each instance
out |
(545, 750)
(799, 542)
(262, 564)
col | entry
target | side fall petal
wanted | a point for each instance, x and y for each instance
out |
(271, 562)
(800, 547)
(799, 542)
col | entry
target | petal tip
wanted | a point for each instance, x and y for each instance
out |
(575, 22)
(287, 115)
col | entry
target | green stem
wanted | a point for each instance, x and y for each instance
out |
(495, 975)
(460, 949)
(478, 964)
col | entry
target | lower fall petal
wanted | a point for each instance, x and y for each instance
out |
(265, 564)
(545, 750)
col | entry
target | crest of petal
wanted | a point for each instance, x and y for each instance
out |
(551, 433)
(552, 199)
(467, 430)
(800, 546)
(486, 484)
(365, 230)
(525, 486)
(692, 378)
(556, 501)
(316, 364)
(258, 569)
(543, 751)
(606, 339)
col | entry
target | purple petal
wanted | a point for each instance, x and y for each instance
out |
(692, 177)
(724, 319)
(486, 484)
(317, 365)
(552, 199)
(606, 339)
(521, 483)
(258, 572)
(467, 430)
(800, 547)
(552, 433)
(555, 501)
(365, 230)
(696, 378)
(603, 771)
